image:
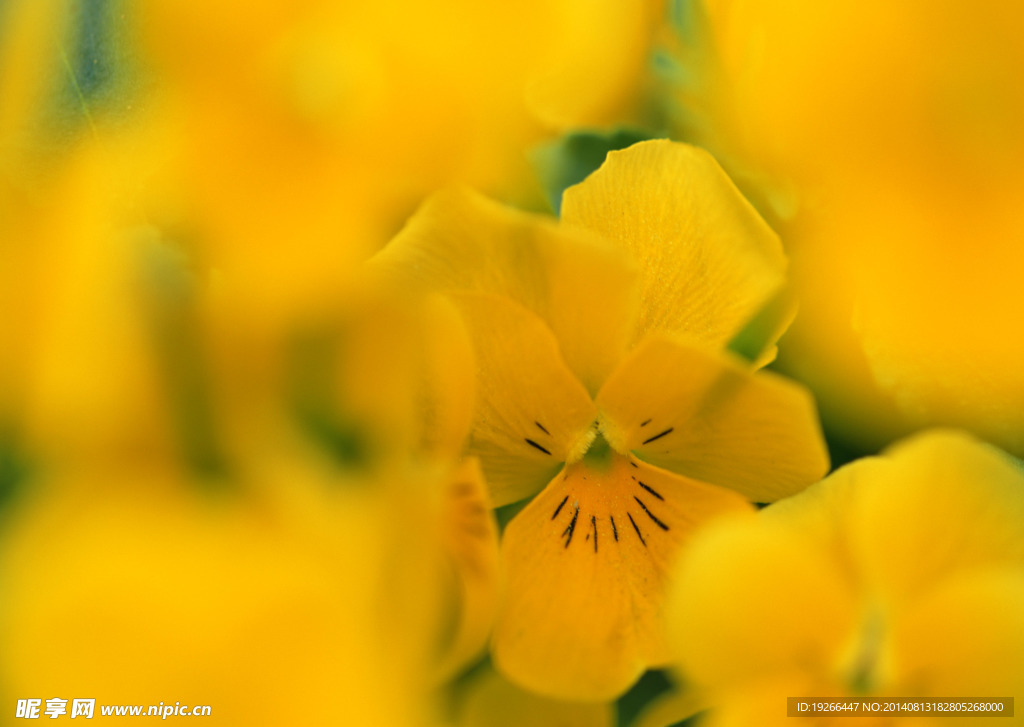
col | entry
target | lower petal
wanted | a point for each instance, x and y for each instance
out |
(586, 565)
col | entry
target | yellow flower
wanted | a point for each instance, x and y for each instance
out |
(130, 588)
(897, 576)
(28, 59)
(892, 134)
(343, 565)
(293, 138)
(605, 387)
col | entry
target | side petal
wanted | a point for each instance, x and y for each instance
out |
(705, 416)
(708, 263)
(583, 288)
(532, 414)
(586, 564)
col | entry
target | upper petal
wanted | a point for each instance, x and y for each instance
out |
(583, 288)
(708, 263)
(705, 416)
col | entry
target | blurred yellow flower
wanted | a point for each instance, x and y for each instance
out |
(292, 138)
(130, 589)
(28, 57)
(190, 528)
(87, 285)
(344, 556)
(603, 375)
(887, 138)
(897, 576)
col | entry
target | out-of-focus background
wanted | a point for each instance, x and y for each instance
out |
(230, 470)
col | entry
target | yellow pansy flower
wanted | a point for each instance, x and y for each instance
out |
(897, 576)
(605, 387)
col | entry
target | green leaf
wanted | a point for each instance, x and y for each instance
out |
(651, 685)
(14, 468)
(764, 328)
(569, 160)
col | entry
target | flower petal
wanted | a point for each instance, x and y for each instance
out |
(752, 599)
(279, 608)
(383, 376)
(943, 504)
(607, 40)
(447, 389)
(470, 540)
(708, 262)
(583, 288)
(703, 415)
(532, 413)
(821, 513)
(586, 564)
(966, 637)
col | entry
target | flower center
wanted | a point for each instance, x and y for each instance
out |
(594, 448)
(599, 454)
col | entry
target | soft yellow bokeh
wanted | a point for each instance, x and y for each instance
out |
(269, 517)
(330, 560)
(290, 138)
(897, 576)
(134, 589)
(884, 137)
